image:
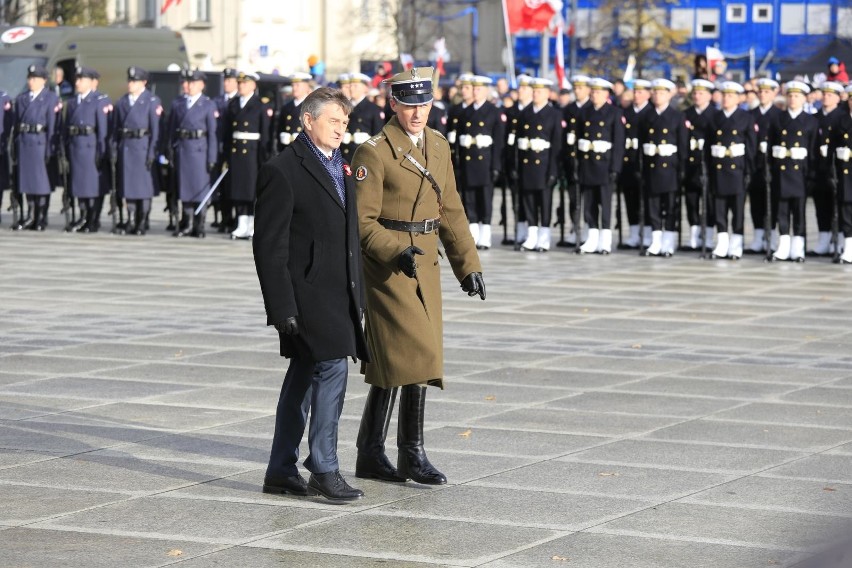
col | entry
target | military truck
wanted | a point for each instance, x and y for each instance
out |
(110, 50)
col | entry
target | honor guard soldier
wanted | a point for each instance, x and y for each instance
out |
(288, 121)
(6, 123)
(841, 148)
(571, 113)
(699, 122)
(456, 113)
(480, 146)
(538, 141)
(664, 144)
(600, 146)
(732, 146)
(84, 135)
(366, 119)
(221, 199)
(107, 165)
(628, 180)
(830, 113)
(764, 114)
(407, 205)
(195, 147)
(510, 155)
(793, 146)
(136, 134)
(246, 140)
(36, 113)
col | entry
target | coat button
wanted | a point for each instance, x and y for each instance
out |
(352, 284)
(350, 254)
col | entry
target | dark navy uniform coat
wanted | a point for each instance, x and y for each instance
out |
(632, 120)
(762, 120)
(826, 126)
(245, 156)
(607, 124)
(437, 117)
(571, 114)
(84, 133)
(661, 172)
(477, 163)
(789, 176)
(135, 176)
(726, 174)
(699, 126)
(841, 137)
(535, 167)
(288, 124)
(365, 121)
(194, 142)
(34, 148)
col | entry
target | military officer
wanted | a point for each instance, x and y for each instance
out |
(699, 121)
(246, 142)
(221, 199)
(407, 202)
(664, 144)
(731, 146)
(136, 130)
(821, 194)
(841, 147)
(793, 146)
(510, 158)
(366, 119)
(84, 134)
(570, 156)
(764, 114)
(628, 180)
(288, 121)
(539, 135)
(600, 144)
(195, 146)
(36, 112)
(480, 143)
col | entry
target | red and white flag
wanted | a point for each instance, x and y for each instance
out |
(560, 55)
(533, 15)
(167, 4)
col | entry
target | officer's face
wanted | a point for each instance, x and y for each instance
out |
(35, 84)
(327, 129)
(346, 89)
(662, 97)
(245, 88)
(480, 93)
(412, 118)
(795, 100)
(135, 87)
(229, 85)
(599, 97)
(301, 89)
(195, 88)
(357, 90)
(581, 92)
(641, 96)
(83, 85)
(701, 97)
(184, 87)
(525, 93)
(830, 99)
(540, 96)
(766, 96)
(467, 92)
(730, 101)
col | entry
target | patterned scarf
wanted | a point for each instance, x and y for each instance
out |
(333, 166)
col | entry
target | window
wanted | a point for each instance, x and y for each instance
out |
(683, 20)
(792, 19)
(761, 13)
(736, 13)
(707, 23)
(819, 19)
(121, 10)
(844, 23)
(200, 10)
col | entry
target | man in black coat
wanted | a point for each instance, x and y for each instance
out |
(628, 180)
(820, 191)
(764, 115)
(699, 122)
(308, 260)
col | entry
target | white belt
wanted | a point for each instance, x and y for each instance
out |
(663, 150)
(735, 151)
(631, 144)
(451, 136)
(781, 152)
(360, 137)
(285, 137)
(596, 146)
(510, 141)
(534, 144)
(844, 154)
(696, 144)
(483, 140)
(571, 139)
(823, 150)
(764, 146)
(252, 136)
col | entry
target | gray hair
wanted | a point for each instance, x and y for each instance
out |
(316, 102)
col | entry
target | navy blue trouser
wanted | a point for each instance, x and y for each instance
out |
(318, 387)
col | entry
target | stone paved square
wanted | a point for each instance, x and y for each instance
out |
(600, 411)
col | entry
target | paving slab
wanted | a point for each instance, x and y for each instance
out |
(264, 558)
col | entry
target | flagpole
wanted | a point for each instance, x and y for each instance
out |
(157, 16)
(510, 48)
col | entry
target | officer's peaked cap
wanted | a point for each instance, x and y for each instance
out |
(413, 86)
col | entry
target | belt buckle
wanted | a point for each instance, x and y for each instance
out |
(428, 226)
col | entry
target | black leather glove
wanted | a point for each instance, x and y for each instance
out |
(473, 284)
(210, 167)
(148, 163)
(495, 175)
(551, 181)
(407, 263)
(289, 327)
(613, 177)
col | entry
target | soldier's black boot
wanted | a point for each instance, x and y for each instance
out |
(80, 224)
(372, 463)
(41, 217)
(183, 229)
(412, 461)
(198, 226)
(139, 226)
(26, 223)
(130, 226)
(93, 223)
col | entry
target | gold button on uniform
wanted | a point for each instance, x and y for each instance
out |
(481, 124)
(526, 161)
(539, 127)
(588, 123)
(538, 162)
(601, 123)
(734, 132)
(665, 131)
(650, 131)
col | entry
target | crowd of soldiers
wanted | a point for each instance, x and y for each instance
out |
(647, 156)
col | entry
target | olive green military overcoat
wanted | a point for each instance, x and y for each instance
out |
(403, 324)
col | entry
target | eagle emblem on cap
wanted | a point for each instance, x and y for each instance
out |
(414, 73)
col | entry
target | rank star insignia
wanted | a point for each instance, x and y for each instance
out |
(361, 173)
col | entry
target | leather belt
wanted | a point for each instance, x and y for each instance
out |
(131, 133)
(31, 128)
(425, 226)
(191, 134)
(81, 130)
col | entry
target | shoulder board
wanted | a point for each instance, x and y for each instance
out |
(375, 139)
(438, 133)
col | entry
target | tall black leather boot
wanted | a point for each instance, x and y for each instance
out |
(412, 461)
(41, 216)
(26, 223)
(198, 225)
(80, 224)
(372, 463)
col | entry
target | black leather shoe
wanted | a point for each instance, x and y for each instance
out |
(378, 467)
(333, 487)
(293, 485)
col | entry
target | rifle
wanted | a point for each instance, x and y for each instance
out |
(114, 207)
(767, 218)
(832, 183)
(504, 210)
(704, 203)
(640, 186)
(67, 205)
(560, 210)
(578, 220)
(618, 222)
